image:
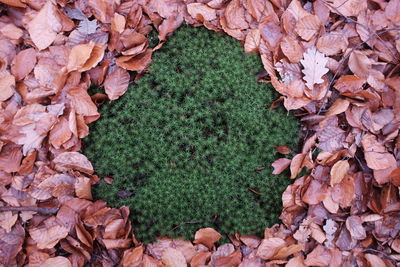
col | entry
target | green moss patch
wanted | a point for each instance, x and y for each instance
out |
(185, 145)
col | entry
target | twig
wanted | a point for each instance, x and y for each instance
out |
(41, 210)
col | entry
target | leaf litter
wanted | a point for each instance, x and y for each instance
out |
(338, 68)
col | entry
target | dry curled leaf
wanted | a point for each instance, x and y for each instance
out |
(280, 165)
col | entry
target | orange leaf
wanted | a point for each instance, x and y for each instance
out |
(360, 64)
(136, 63)
(207, 237)
(339, 106)
(252, 41)
(73, 160)
(200, 259)
(291, 49)
(118, 23)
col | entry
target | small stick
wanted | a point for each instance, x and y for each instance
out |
(41, 210)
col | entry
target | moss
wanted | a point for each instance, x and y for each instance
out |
(183, 144)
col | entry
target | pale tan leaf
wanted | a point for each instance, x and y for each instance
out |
(348, 8)
(173, 258)
(116, 83)
(7, 220)
(314, 67)
(338, 171)
(48, 237)
(44, 27)
(201, 12)
(308, 26)
(207, 237)
(132, 257)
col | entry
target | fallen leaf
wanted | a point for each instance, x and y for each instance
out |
(280, 165)
(207, 237)
(135, 63)
(252, 41)
(354, 225)
(173, 258)
(43, 28)
(314, 67)
(132, 257)
(58, 261)
(269, 247)
(375, 260)
(233, 259)
(338, 171)
(7, 85)
(307, 27)
(320, 256)
(291, 49)
(23, 63)
(201, 12)
(73, 160)
(349, 83)
(360, 64)
(116, 83)
(118, 23)
(200, 259)
(339, 106)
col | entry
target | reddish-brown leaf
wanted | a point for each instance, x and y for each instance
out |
(173, 258)
(349, 83)
(73, 160)
(207, 237)
(269, 247)
(338, 171)
(280, 165)
(23, 63)
(201, 12)
(116, 83)
(355, 227)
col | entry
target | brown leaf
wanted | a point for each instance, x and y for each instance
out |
(58, 261)
(116, 83)
(315, 193)
(81, 102)
(349, 83)
(320, 256)
(135, 63)
(269, 247)
(280, 165)
(11, 244)
(338, 171)
(83, 57)
(207, 237)
(132, 257)
(7, 85)
(348, 8)
(7, 220)
(14, 3)
(200, 259)
(354, 225)
(231, 260)
(48, 236)
(10, 159)
(360, 64)
(83, 188)
(251, 241)
(332, 43)
(73, 160)
(308, 26)
(284, 149)
(60, 133)
(296, 164)
(339, 106)
(173, 258)
(23, 63)
(235, 16)
(201, 12)
(375, 153)
(252, 41)
(118, 23)
(375, 260)
(292, 50)
(43, 28)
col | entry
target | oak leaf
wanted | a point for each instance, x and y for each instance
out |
(314, 67)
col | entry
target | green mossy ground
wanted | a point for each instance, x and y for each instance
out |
(186, 141)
